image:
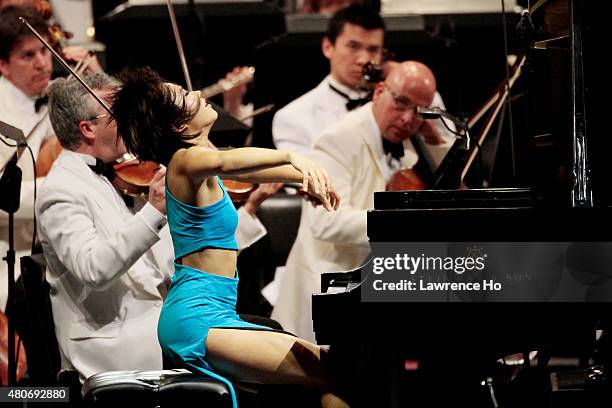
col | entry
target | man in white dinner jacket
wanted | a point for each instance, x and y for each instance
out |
(360, 153)
(355, 36)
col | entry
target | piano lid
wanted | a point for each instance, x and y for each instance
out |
(473, 198)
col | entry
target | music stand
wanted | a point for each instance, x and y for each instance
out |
(10, 185)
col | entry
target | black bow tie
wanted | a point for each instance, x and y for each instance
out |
(108, 170)
(105, 169)
(40, 102)
(351, 103)
(396, 150)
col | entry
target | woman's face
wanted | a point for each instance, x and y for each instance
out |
(205, 116)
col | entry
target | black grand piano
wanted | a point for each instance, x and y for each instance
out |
(560, 194)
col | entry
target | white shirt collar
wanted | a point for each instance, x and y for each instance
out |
(85, 158)
(351, 93)
(19, 97)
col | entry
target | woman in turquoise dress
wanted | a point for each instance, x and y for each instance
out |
(198, 327)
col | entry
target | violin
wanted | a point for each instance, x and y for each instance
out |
(133, 176)
(239, 191)
(49, 151)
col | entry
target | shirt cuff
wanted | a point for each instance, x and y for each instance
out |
(250, 229)
(152, 217)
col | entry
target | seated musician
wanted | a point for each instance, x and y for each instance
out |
(360, 152)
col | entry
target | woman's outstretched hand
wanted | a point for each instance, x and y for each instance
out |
(315, 178)
(331, 202)
(316, 184)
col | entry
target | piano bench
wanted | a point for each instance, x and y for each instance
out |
(149, 389)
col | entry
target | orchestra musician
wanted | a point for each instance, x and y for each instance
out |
(354, 37)
(25, 68)
(361, 152)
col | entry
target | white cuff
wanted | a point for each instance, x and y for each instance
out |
(250, 229)
(152, 217)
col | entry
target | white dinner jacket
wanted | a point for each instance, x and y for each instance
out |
(336, 241)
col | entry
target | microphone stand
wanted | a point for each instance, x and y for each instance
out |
(10, 185)
(448, 175)
(437, 113)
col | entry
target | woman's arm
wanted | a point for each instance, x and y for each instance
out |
(279, 174)
(199, 163)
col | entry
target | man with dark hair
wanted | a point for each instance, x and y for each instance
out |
(355, 36)
(25, 72)
(25, 69)
(24, 61)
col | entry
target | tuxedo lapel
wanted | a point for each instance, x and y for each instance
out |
(369, 135)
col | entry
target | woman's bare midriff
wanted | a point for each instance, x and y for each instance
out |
(216, 261)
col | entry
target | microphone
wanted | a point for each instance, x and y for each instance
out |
(435, 113)
(13, 133)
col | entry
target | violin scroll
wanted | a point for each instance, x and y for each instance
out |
(372, 72)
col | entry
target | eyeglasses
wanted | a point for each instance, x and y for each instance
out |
(104, 115)
(402, 103)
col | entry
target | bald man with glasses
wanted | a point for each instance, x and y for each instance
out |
(361, 153)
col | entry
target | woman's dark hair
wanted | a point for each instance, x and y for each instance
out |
(148, 118)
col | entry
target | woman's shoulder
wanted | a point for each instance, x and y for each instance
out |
(186, 155)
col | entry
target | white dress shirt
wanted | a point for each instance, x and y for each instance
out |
(17, 109)
(296, 125)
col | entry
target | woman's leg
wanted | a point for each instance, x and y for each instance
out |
(266, 357)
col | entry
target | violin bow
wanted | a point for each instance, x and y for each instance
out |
(179, 48)
(179, 45)
(65, 64)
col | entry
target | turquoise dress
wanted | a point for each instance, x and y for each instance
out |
(198, 301)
